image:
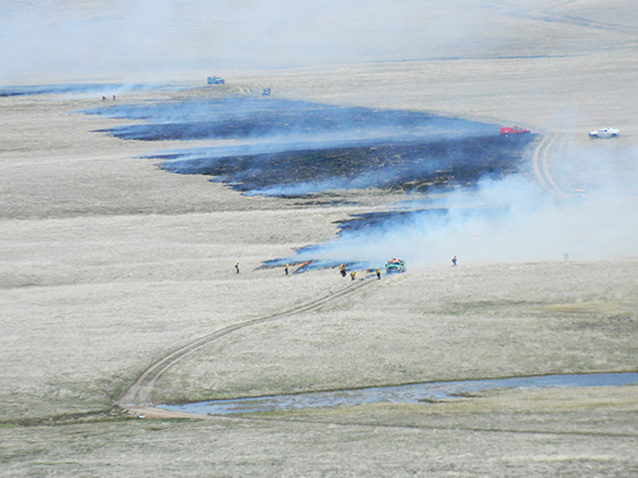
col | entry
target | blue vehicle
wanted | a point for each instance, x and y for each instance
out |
(215, 80)
(394, 265)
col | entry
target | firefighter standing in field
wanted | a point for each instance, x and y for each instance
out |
(378, 273)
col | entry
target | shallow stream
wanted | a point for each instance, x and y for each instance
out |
(417, 392)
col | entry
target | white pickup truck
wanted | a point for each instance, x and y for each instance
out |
(605, 133)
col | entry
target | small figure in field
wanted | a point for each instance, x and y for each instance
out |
(378, 273)
(454, 261)
(103, 98)
(113, 97)
(353, 274)
(343, 270)
(237, 267)
(286, 269)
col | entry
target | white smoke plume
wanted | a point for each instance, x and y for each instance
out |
(150, 39)
(512, 219)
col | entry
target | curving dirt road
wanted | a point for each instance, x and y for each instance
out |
(542, 164)
(140, 393)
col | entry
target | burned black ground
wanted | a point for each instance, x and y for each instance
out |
(257, 118)
(415, 165)
(312, 151)
(296, 148)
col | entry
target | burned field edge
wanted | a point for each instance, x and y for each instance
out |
(236, 117)
(299, 149)
(79, 88)
(407, 166)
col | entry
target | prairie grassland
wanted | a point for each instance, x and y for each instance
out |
(107, 264)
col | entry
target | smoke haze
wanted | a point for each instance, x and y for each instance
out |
(510, 219)
(296, 148)
(151, 39)
(503, 220)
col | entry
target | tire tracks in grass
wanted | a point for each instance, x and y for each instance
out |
(140, 393)
(541, 164)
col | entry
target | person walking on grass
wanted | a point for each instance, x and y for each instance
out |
(237, 267)
(454, 261)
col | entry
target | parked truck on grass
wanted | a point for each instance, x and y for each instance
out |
(215, 80)
(513, 130)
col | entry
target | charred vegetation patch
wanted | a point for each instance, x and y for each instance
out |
(240, 118)
(397, 166)
(297, 148)
(373, 220)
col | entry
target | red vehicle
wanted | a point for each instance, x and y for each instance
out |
(507, 130)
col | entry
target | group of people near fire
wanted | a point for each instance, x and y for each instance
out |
(343, 270)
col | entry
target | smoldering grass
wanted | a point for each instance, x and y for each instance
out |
(242, 117)
(81, 89)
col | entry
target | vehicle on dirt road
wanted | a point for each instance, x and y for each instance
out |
(512, 130)
(215, 80)
(609, 132)
(394, 265)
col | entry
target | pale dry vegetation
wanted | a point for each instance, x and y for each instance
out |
(107, 264)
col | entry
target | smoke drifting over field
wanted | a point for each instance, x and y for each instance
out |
(502, 220)
(527, 227)
(488, 207)
(78, 89)
(280, 121)
(294, 148)
(510, 219)
(157, 39)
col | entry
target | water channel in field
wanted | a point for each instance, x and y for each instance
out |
(411, 393)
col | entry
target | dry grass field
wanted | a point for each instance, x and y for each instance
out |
(108, 264)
